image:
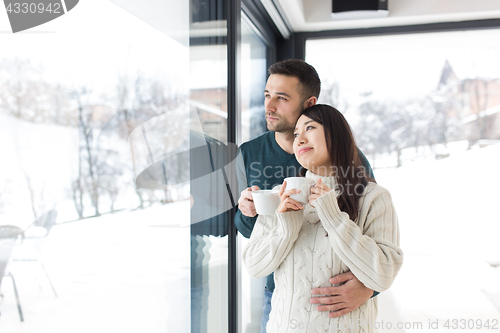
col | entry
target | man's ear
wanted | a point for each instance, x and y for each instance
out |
(310, 102)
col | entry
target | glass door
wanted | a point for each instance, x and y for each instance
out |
(254, 75)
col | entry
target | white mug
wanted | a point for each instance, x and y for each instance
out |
(301, 183)
(266, 201)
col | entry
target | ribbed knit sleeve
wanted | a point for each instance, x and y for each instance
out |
(272, 239)
(370, 248)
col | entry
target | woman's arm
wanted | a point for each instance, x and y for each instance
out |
(372, 253)
(272, 239)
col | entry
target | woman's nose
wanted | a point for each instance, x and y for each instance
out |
(301, 139)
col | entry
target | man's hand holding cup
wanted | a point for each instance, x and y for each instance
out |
(245, 202)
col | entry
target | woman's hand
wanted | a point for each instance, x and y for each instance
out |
(318, 190)
(288, 204)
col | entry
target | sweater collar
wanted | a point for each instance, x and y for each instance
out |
(331, 182)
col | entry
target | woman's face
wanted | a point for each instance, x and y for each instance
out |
(309, 146)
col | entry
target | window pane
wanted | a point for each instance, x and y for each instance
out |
(212, 201)
(253, 79)
(425, 111)
(82, 114)
(253, 123)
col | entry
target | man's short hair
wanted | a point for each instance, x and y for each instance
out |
(307, 75)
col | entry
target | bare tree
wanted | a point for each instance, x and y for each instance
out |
(331, 95)
(388, 127)
(33, 196)
(141, 99)
(87, 174)
(77, 194)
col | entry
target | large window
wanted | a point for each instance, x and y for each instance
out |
(425, 109)
(77, 96)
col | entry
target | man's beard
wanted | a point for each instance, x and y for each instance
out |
(280, 126)
(283, 125)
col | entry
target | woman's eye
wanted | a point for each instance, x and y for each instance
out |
(309, 127)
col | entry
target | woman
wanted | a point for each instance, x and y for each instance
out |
(349, 224)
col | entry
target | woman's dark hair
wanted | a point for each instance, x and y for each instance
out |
(350, 174)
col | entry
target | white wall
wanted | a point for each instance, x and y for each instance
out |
(314, 15)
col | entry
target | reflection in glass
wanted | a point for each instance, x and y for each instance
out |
(208, 97)
(118, 255)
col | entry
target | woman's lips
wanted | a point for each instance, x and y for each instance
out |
(304, 150)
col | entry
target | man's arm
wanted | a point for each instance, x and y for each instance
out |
(243, 223)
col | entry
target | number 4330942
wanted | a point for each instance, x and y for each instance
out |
(33, 8)
(471, 324)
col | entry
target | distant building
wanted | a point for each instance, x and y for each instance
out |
(474, 102)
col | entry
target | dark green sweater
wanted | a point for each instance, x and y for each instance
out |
(266, 165)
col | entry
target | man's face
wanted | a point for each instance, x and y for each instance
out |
(283, 102)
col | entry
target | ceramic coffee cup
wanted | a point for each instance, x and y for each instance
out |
(301, 183)
(266, 201)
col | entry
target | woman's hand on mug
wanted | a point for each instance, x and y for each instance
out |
(288, 204)
(318, 190)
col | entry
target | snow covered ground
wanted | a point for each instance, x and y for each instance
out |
(450, 233)
(127, 272)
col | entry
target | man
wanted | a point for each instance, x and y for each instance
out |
(267, 160)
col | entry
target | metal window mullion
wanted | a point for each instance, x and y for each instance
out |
(233, 8)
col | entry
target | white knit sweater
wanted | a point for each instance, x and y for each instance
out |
(306, 248)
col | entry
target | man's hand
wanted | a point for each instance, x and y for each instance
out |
(344, 298)
(245, 202)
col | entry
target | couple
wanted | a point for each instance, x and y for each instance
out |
(307, 246)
